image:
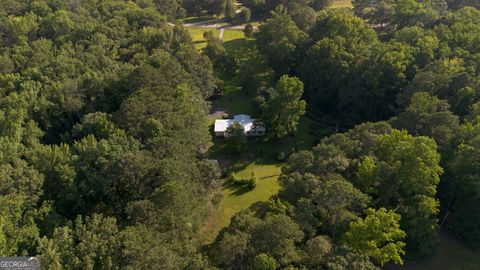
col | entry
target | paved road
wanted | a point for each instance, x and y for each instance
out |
(216, 26)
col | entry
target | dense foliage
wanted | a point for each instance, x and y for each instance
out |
(103, 129)
(104, 134)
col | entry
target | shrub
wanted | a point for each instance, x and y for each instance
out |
(249, 183)
(248, 31)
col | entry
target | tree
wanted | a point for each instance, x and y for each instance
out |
(303, 16)
(462, 186)
(411, 12)
(320, 4)
(91, 243)
(248, 30)
(231, 248)
(230, 9)
(375, 12)
(378, 235)
(346, 259)
(264, 262)
(246, 15)
(280, 39)
(318, 249)
(19, 233)
(144, 247)
(283, 110)
(97, 124)
(21, 179)
(215, 50)
(409, 173)
(277, 235)
(343, 65)
(169, 8)
(428, 116)
(445, 79)
(235, 136)
(424, 43)
(337, 203)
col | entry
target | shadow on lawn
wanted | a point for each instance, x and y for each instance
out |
(237, 189)
(241, 48)
(203, 20)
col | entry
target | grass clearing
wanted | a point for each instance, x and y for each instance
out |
(197, 36)
(236, 199)
(230, 35)
(342, 4)
(259, 154)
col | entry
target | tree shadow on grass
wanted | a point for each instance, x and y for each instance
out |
(236, 189)
(241, 48)
(203, 19)
(240, 190)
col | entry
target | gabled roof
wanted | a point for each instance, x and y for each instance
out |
(242, 118)
(223, 124)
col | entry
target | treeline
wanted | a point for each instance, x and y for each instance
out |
(355, 73)
(103, 134)
(403, 77)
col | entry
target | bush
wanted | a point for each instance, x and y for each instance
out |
(217, 199)
(248, 31)
(249, 183)
(277, 206)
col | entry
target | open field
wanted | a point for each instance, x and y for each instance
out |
(197, 36)
(236, 199)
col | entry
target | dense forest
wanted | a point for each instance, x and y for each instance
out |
(104, 133)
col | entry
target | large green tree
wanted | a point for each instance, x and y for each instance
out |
(428, 116)
(280, 39)
(378, 235)
(282, 111)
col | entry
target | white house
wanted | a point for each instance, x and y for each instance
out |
(251, 127)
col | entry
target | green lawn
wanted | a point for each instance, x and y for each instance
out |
(234, 39)
(207, 19)
(230, 35)
(342, 4)
(236, 199)
(197, 36)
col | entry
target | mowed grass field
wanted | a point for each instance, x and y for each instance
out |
(197, 36)
(236, 199)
